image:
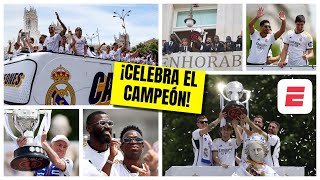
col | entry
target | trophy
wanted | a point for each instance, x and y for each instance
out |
(31, 156)
(234, 92)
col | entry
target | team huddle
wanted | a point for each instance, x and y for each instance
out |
(297, 47)
(260, 150)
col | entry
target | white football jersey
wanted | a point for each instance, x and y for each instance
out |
(201, 149)
(52, 43)
(118, 169)
(259, 47)
(226, 150)
(80, 43)
(98, 159)
(104, 55)
(272, 158)
(65, 49)
(299, 44)
(116, 54)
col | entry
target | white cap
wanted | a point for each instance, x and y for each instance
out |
(62, 138)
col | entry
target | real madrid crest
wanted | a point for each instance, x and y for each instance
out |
(60, 92)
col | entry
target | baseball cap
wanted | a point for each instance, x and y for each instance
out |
(62, 138)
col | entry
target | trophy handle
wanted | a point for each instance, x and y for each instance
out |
(225, 97)
(44, 126)
(248, 95)
(8, 129)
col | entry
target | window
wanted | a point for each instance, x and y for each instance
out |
(207, 17)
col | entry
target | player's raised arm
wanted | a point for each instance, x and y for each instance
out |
(254, 20)
(254, 127)
(282, 17)
(212, 124)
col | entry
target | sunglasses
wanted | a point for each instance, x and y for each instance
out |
(104, 122)
(269, 27)
(78, 30)
(203, 122)
(131, 140)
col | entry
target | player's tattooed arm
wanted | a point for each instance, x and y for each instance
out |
(217, 121)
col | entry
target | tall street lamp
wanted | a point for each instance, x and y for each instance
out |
(122, 17)
(91, 37)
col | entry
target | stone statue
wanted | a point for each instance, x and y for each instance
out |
(256, 150)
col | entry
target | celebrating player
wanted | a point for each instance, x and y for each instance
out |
(97, 151)
(262, 41)
(202, 141)
(132, 147)
(224, 148)
(298, 44)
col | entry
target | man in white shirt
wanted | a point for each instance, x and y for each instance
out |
(298, 44)
(202, 142)
(42, 38)
(56, 151)
(16, 50)
(51, 42)
(116, 51)
(274, 143)
(64, 47)
(132, 147)
(79, 43)
(224, 148)
(261, 41)
(97, 150)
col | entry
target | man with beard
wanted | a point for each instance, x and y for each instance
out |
(51, 43)
(273, 140)
(132, 147)
(206, 47)
(42, 38)
(201, 140)
(97, 150)
(171, 46)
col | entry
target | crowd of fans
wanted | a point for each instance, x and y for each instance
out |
(215, 45)
(58, 43)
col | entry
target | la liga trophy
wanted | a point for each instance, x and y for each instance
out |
(31, 156)
(232, 93)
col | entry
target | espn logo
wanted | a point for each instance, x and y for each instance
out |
(294, 96)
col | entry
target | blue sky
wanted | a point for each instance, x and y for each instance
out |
(141, 25)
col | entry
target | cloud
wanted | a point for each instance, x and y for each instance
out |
(142, 24)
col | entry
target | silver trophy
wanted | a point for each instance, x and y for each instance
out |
(234, 92)
(31, 156)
